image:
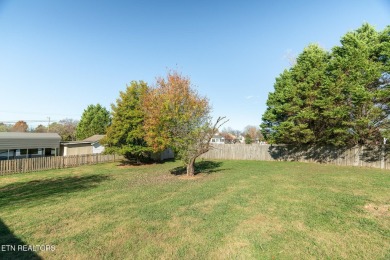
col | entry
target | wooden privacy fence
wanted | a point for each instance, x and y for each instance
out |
(375, 157)
(55, 162)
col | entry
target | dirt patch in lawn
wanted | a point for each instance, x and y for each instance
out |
(378, 210)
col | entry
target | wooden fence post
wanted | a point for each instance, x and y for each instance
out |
(383, 156)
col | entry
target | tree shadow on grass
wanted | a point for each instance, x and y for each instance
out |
(326, 153)
(127, 162)
(33, 191)
(11, 247)
(200, 167)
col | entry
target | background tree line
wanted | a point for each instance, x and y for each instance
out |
(94, 120)
(339, 97)
(66, 128)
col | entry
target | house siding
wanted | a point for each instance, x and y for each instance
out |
(76, 149)
(97, 148)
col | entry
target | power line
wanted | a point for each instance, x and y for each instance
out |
(37, 113)
(27, 121)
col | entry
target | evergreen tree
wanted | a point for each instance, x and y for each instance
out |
(358, 68)
(126, 133)
(293, 109)
(338, 98)
(94, 121)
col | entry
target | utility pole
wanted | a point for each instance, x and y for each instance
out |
(48, 126)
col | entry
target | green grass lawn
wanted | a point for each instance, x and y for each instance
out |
(232, 210)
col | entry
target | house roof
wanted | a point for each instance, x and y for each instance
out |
(21, 140)
(23, 135)
(88, 141)
(94, 138)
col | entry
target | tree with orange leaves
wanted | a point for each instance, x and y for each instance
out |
(179, 118)
(19, 126)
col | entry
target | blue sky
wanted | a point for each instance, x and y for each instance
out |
(57, 57)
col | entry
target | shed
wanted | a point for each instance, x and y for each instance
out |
(75, 148)
(95, 142)
(89, 145)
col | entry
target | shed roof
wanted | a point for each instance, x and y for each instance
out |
(94, 138)
(75, 143)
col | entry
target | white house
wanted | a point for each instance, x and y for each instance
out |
(217, 139)
(241, 139)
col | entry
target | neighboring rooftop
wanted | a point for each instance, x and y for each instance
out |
(21, 140)
(23, 135)
(94, 138)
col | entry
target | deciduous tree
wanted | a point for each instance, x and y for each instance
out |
(231, 135)
(5, 127)
(19, 126)
(178, 117)
(94, 121)
(66, 128)
(253, 133)
(40, 129)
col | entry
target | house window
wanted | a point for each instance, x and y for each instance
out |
(30, 151)
(3, 154)
(33, 151)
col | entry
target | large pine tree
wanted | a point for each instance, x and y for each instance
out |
(338, 98)
(293, 109)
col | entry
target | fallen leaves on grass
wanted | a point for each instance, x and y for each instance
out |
(378, 210)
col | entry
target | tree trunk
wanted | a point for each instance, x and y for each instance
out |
(191, 167)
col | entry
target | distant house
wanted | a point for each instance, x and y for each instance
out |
(217, 139)
(241, 139)
(95, 142)
(16, 145)
(89, 145)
